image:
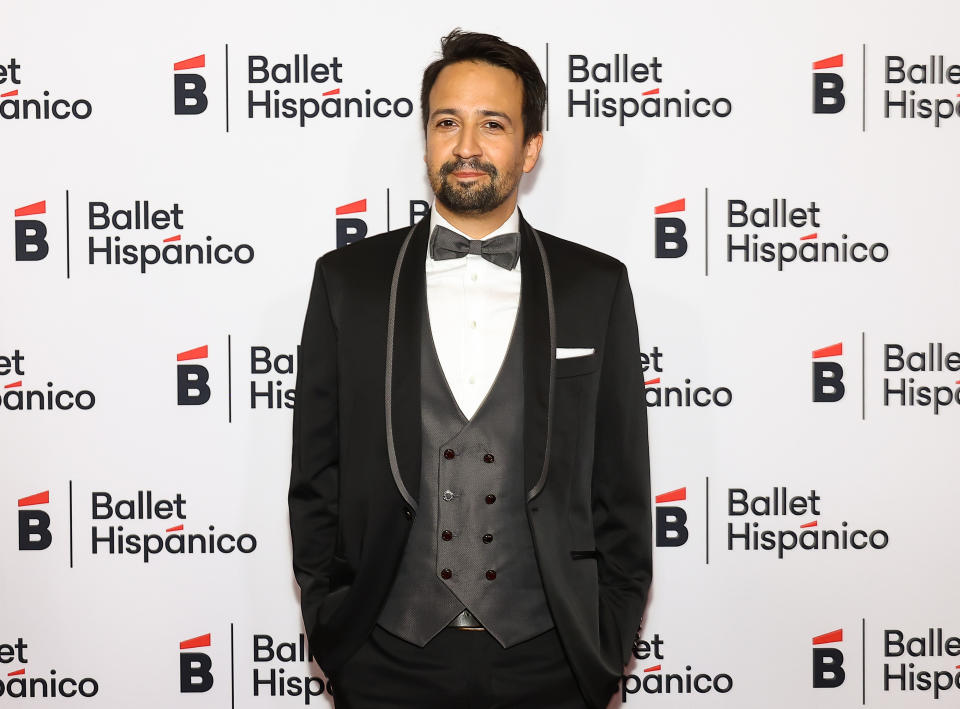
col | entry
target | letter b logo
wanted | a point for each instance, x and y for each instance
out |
(828, 668)
(672, 527)
(672, 520)
(828, 382)
(30, 235)
(34, 530)
(669, 231)
(828, 93)
(188, 94)
(828, 661)
(828, 86)
(31, 239)
(828, 376)
(349, 230)
(34, 525)
(188, 89)
(195, 675)
(670, 241)
(192, 386)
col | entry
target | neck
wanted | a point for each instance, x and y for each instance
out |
(477, 226)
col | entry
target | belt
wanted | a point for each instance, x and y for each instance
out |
(465, 620)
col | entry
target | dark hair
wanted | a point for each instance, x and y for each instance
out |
(460, 46)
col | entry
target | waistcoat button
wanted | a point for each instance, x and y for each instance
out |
(491, 574)
(448, 454)
(490, 499)
(487, 538)
(446, 573)
(446, 535)
(447, 495)
(488, 458)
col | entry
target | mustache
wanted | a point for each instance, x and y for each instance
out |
(448, 168)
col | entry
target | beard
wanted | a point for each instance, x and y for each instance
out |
(477, 196)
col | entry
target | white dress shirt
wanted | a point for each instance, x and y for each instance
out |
(472, 305)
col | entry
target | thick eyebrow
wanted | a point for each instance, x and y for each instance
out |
(496, 114)
(484, 113)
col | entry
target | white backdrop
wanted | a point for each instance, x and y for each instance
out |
(73, 615)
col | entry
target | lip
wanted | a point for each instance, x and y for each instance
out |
(465, 175)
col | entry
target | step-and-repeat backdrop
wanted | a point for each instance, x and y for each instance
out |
(780, 179)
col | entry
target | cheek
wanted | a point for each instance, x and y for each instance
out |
(431, 161)
(436, 154)
(504, 158)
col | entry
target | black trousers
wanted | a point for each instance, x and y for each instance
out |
(458, 669)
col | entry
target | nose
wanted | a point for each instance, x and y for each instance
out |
(467, 144)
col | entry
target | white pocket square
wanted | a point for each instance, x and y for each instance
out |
(566, 352)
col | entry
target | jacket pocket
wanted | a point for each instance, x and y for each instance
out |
(341, 573)
(574, 366)
(585, 554)
(331, 603)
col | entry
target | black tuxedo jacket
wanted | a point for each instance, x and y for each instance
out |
(356, 444)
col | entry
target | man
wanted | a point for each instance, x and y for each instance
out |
(469, 500)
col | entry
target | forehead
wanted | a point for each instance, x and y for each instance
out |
(470, 85)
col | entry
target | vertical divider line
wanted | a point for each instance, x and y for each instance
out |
(232, 689)
(68, 233)
(388, 209)
(226, 83)
(229, 381)
(70, 496)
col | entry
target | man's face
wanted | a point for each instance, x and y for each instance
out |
(475, 148)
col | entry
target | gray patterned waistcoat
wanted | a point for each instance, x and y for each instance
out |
(470, 544)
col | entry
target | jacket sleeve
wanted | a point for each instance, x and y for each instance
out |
(313, 494)
(621, 480)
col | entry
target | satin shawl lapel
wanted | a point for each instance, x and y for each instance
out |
(536, 299)
(406, 311)
(407, 308)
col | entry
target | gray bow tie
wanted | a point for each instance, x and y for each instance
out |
(502, 250)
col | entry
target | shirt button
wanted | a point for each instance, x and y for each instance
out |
(446, 535)
(449, 453)
(487, 538)
(473, 324)
(488, 458)
(473, 276)
(448, 495)
(491, 574)
(472, 379)
(489, 499)
(446, 573)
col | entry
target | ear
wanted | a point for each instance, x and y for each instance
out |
(531, 152)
